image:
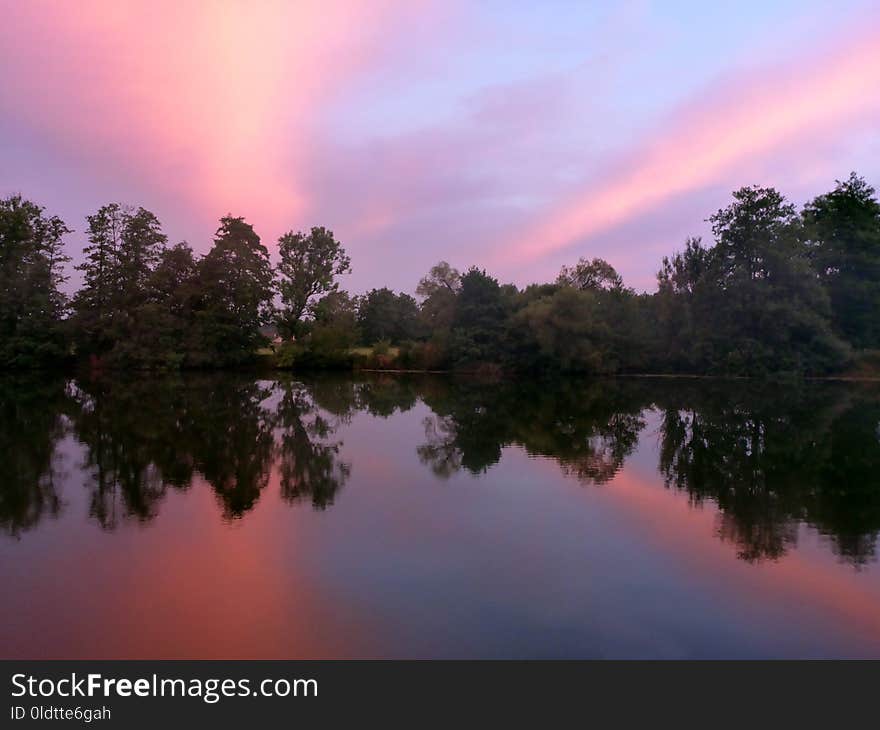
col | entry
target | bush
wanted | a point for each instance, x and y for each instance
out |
(288, 355)
(381, 348)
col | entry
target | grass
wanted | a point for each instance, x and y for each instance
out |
(393, 352)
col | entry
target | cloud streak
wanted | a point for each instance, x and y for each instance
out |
(210, 103)
(759, 114)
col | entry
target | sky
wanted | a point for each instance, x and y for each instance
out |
(514, 136)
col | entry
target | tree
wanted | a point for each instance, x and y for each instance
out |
(843, 230)
(568, 332)
(682, 273)
(765, 309)
(681, 281)
(441, 277)
(333, 330)
(174, 281)
(93, 303)
(590, 274)
(438, 290)
(384, 315)
(124, 246)
(479, 320)
(140, 249)
(755, 236)
(31, 305)
(166, 335)
(236, 281)
(308, 269)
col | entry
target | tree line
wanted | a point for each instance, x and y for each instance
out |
(776, 290)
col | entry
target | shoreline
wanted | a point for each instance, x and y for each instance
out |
(265, 369)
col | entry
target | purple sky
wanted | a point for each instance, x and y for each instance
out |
(514, 136)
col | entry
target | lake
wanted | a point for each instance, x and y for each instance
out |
(223, 516)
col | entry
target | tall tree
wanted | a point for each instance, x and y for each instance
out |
(755, 236)
(31, 304)
(479, 321)
(140, 249)
(766, 308)
(307, 271)
(236, 279)
(94, 302)
(681, 284)
(843, 228)
(165, 335)
(125, 244)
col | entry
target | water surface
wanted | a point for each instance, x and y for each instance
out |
(227, 517)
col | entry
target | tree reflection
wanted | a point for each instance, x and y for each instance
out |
(135, 433)
(232, 442)
(31, 424)
(308, 461)
(589, 428)
(385, 395)
(774, 457)
(146, 435)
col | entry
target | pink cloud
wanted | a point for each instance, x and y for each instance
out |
(766, 112)
(209, 103)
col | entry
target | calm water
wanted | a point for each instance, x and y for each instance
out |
(223, 517)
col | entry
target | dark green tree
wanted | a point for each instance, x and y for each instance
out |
(166, 335)
(684, 288)
(769, 311)
(94, 303)
(327, 339)
(236, 280)
(384, 315)
(843, 229)
(124, 247)
(140, 250)
(31, 304)
(566, 331)
(479, 321)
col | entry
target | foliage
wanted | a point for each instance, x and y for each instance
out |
(236, 282)
(384, 315)
(776, 291)
(751, 304)
(307, 271)
(438, 291)
(843, 234)
(479, 320)
(125, 244)
(593, 275)
(31, 304)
